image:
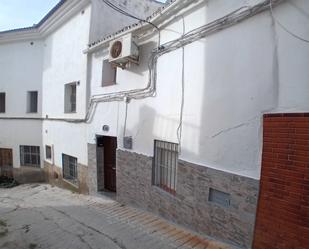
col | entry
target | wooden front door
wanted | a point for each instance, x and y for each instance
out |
(110, 147)
(6, 162)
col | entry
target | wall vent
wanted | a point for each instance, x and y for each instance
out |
(219, 197)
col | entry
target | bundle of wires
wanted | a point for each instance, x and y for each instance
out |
(224, 22)
(125, 13)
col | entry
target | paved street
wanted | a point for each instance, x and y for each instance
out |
(42, 216)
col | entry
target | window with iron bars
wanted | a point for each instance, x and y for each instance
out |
(69, 168)
(30, 156)
(165, 163)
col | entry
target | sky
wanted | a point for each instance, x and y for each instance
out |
(24, 13)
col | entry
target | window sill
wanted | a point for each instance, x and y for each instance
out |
(70, 182)
(108, 84)
(32, 166)
(165, 193)
(49, 160)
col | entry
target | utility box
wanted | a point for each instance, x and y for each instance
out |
(128, 143)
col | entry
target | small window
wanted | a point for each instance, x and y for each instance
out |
(109, 73)
(48, 152)
(32, 102)
(30, 156)
(70, 98)
(165, 165)
(69, 167)
(2, 102)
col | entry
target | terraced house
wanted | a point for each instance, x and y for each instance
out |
(194, 110)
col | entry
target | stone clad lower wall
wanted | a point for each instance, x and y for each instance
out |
(28, 174)
(190, 206)
(53, 175)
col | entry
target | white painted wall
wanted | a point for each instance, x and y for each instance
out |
(106, 21)
(20, 132)
(64, 62)
(20, 72)
(231, 79)
(66, 138)
(46, 66)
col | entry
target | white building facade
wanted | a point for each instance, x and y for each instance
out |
(178, 132)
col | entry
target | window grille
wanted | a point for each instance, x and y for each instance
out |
(69, 167)
(165, 163)
(30, 156)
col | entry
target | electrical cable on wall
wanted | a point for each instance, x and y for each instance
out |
(217, 25)
(179, 129)
(190, 37)
(125, 13)
(282, 26)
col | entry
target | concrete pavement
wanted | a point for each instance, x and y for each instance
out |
(41, 216)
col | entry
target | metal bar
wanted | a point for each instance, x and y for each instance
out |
(165, 164)
(156, 164)
(175, 165)
(171, 166)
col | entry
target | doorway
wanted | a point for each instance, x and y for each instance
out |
(6, 162)
(106, 163)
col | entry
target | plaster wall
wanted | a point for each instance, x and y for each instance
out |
(105, 20)
(64, 62)
(20, 72)
(231, 78)
(20, 132)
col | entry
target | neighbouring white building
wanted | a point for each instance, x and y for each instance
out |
(168, 113)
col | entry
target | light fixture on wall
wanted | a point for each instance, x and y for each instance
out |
(105, 128)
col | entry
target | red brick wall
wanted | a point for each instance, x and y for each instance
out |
(283, 208)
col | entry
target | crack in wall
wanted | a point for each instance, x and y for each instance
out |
(247, 123)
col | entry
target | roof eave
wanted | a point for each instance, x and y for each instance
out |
(157, 19)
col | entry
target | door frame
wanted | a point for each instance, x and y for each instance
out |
(101, 167)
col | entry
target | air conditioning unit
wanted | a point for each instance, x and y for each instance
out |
(123, 50)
